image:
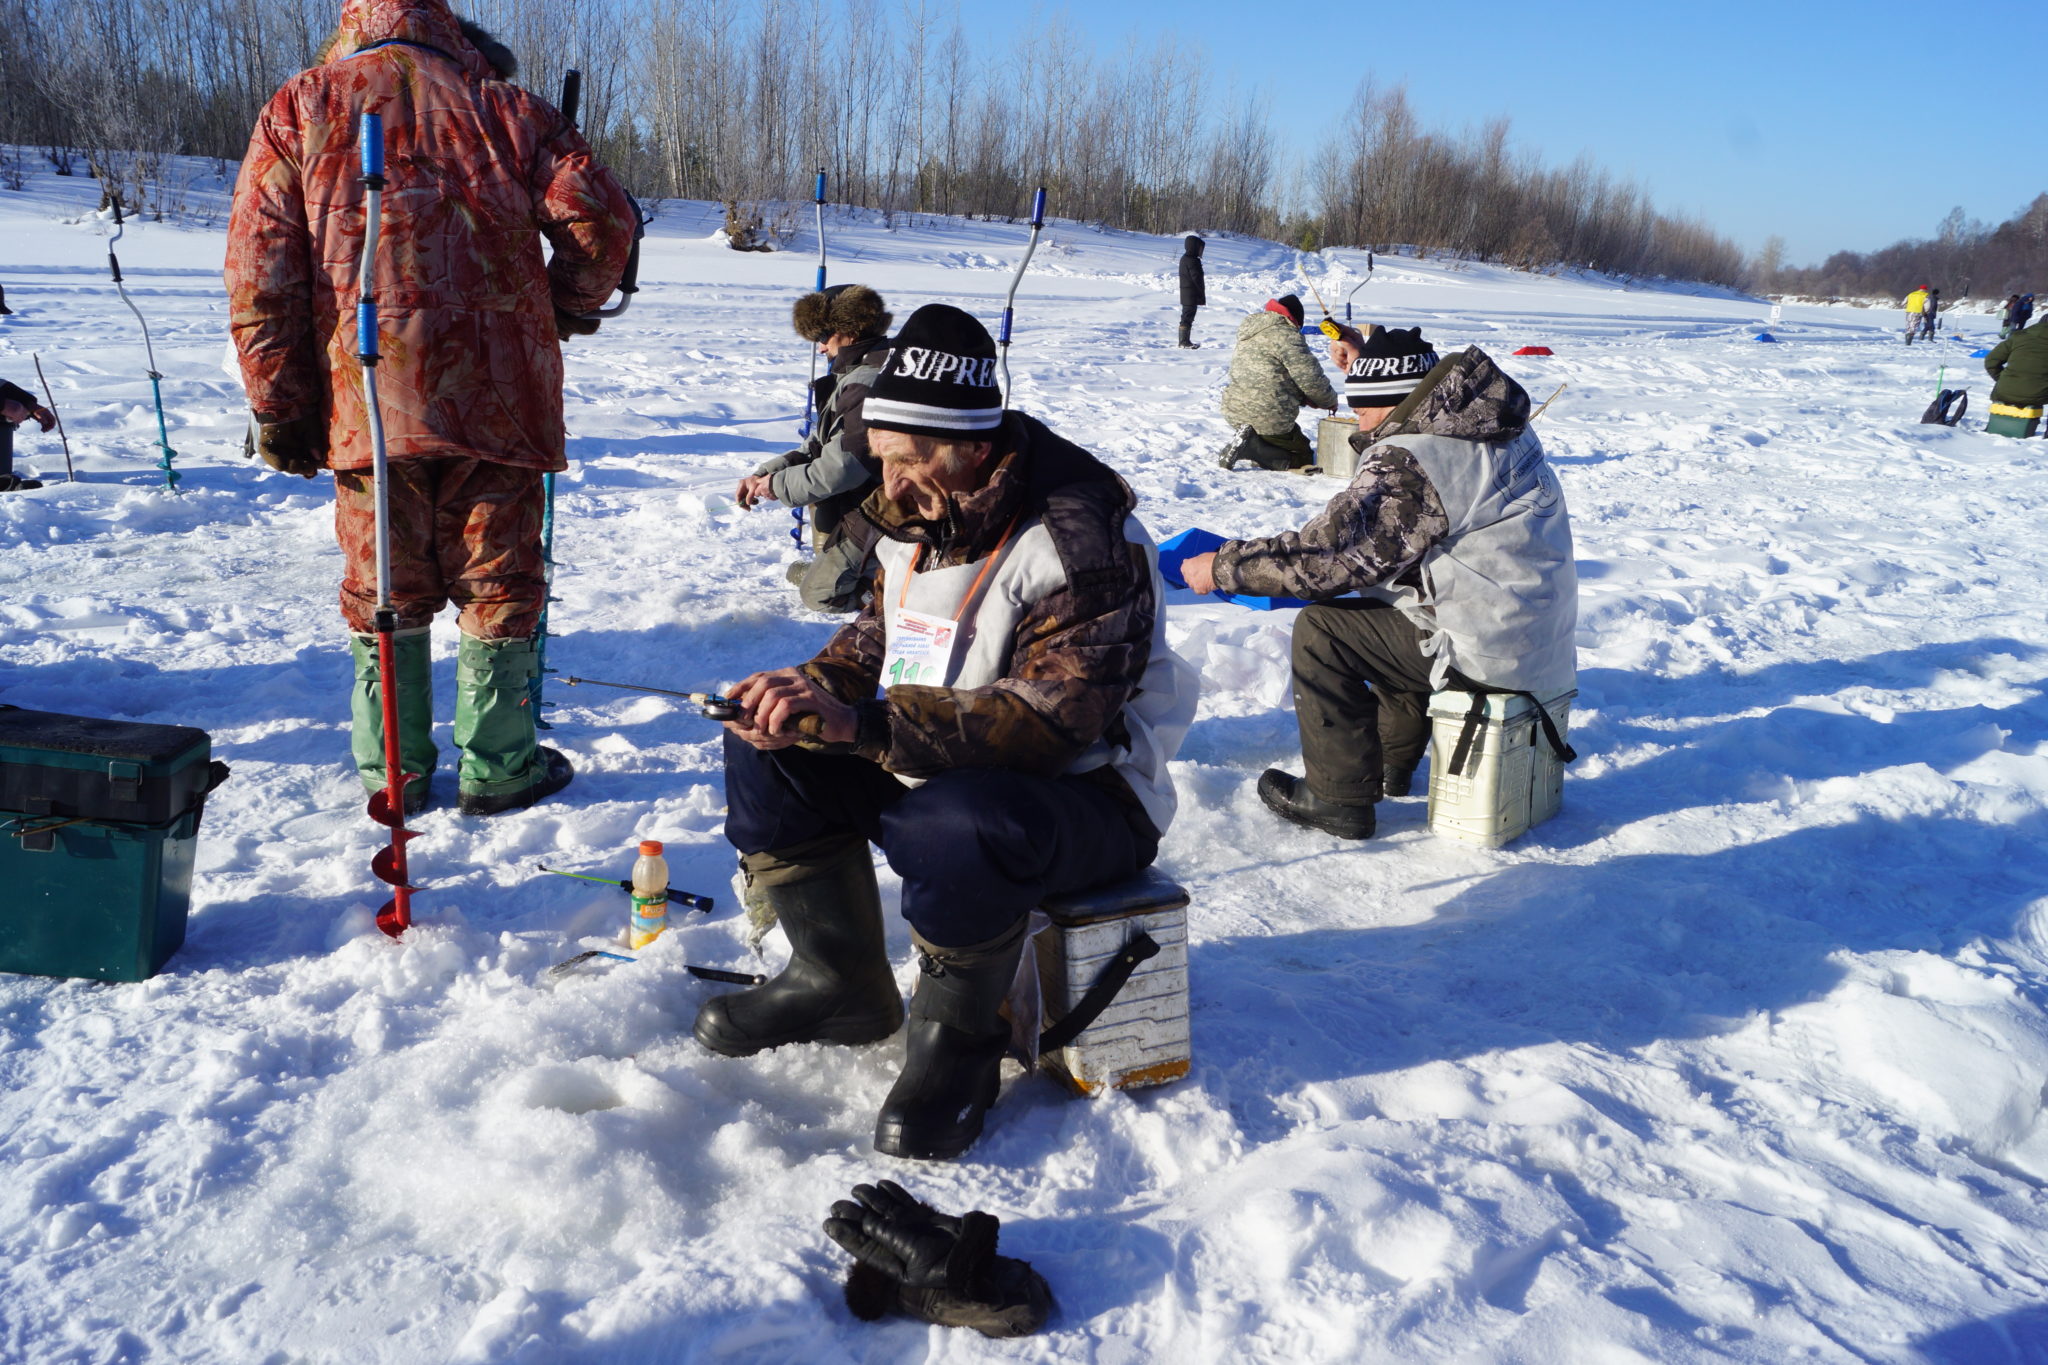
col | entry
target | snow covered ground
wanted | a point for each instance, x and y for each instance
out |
(1740, 1058)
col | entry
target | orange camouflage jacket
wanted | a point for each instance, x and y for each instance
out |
(479, 171)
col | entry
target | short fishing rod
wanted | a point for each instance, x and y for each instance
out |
(70, 475)
(713, 706)
(156, 380)
(1010, 303)
(1356, 287)
(796, 530)
(689, 898)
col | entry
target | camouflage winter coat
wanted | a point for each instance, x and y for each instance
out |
(1389, 516)
(1273, 376)
(1076, 655)
(479, 171)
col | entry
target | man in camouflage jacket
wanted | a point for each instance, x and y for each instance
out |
(1455, 536)
(998, 718)
(1272, 378)
(832, 473)
(471, 380)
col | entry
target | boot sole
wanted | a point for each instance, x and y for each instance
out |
(841, 1032)
(890, 1142)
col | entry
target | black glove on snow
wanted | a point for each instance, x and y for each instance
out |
(913, 1259)
(297, 446)
(570, 325)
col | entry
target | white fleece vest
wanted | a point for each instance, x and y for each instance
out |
(1500, 593)
(1157, 716)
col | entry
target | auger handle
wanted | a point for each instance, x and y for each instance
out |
(572, 94)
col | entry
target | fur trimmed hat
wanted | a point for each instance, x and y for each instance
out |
(849, 309)
(1389, 367)
(940, 379)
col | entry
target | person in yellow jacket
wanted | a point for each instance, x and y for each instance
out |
(1916, 304)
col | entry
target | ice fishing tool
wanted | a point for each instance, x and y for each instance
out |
(796, 514)
(387, 807)
(713, 706)
(562, 969)
(629, 282)
(1547, 402)
(688, 898)
(156, 380)
(1356, 287)
(70, 475)
(1010, 303)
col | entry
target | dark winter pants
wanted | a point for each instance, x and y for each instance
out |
(977, 848)
(1277, 450)
(1361, 697)
(462, 530)
(6, 449)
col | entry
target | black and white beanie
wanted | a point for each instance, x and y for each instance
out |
(940, 380)
(1389, 368)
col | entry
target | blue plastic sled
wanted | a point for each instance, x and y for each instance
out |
(1979, 355)
(1195, 541)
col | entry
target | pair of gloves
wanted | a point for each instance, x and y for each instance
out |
(910, 1258)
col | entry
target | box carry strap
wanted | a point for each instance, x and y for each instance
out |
(1076, 1021)
(1468, 735)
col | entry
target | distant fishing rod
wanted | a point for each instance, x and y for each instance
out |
(1356, 287)
(156, 380)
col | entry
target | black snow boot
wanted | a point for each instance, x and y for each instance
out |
(1288, 797)
(837, 987)
(953, 1050)
(14, 483)
(1187, 340)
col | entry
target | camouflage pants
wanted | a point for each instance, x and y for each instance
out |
(462, 530)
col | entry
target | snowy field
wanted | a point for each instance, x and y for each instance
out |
(1740, 1058)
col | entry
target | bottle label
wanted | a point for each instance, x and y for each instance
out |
(650, 917)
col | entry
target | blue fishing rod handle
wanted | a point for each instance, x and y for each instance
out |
(819, 196)
(1008, 315)
(821, 279)
(366, 332)
(1038, 208)
(373, 145)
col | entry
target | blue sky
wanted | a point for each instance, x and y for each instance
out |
(1835, 125)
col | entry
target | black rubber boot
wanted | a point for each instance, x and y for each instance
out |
(1288, 797)
(953, 1050)
(837, 987)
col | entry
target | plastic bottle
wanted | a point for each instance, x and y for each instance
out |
(650, 895)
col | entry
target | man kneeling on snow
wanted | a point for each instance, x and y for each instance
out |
(1017, 749)
(1453, 534)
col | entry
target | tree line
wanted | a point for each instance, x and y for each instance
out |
(907, 113)
(1964, 259)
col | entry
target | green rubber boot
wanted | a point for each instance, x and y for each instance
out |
(416, 749)
(502, 767)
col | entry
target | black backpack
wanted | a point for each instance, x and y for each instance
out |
(1948, 408)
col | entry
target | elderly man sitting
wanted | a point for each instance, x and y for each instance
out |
(1028, 706)
(1454, 536)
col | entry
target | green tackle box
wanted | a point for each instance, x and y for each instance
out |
(99, 821)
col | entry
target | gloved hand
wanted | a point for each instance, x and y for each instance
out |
(570, 325)
(44, 418)
(296, 446)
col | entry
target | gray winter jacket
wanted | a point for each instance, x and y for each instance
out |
(1273, 376)
(832, 471)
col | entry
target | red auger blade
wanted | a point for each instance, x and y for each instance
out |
(396, 916)
(389, 864)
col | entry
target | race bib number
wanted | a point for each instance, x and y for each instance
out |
(920, 649)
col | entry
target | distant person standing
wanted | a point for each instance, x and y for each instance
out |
(18, 405)
(1194, 292)
(2006, 324)
(1916, 308)
(1930, 316)
(2024, 314)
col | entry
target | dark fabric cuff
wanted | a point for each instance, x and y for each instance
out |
(871, 737)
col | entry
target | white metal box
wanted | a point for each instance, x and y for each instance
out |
(1142, 1038)
(1512, 779)
(1334, 455)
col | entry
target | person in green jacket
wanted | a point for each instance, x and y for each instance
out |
(2019, 365)
(1272, 378)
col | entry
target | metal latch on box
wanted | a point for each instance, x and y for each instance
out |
(126, 780)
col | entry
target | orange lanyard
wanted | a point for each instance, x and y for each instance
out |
(974, 589)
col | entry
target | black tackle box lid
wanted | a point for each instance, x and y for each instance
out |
(81, 767)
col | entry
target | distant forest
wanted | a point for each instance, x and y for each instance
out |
(1963, 259)
(906, 111)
